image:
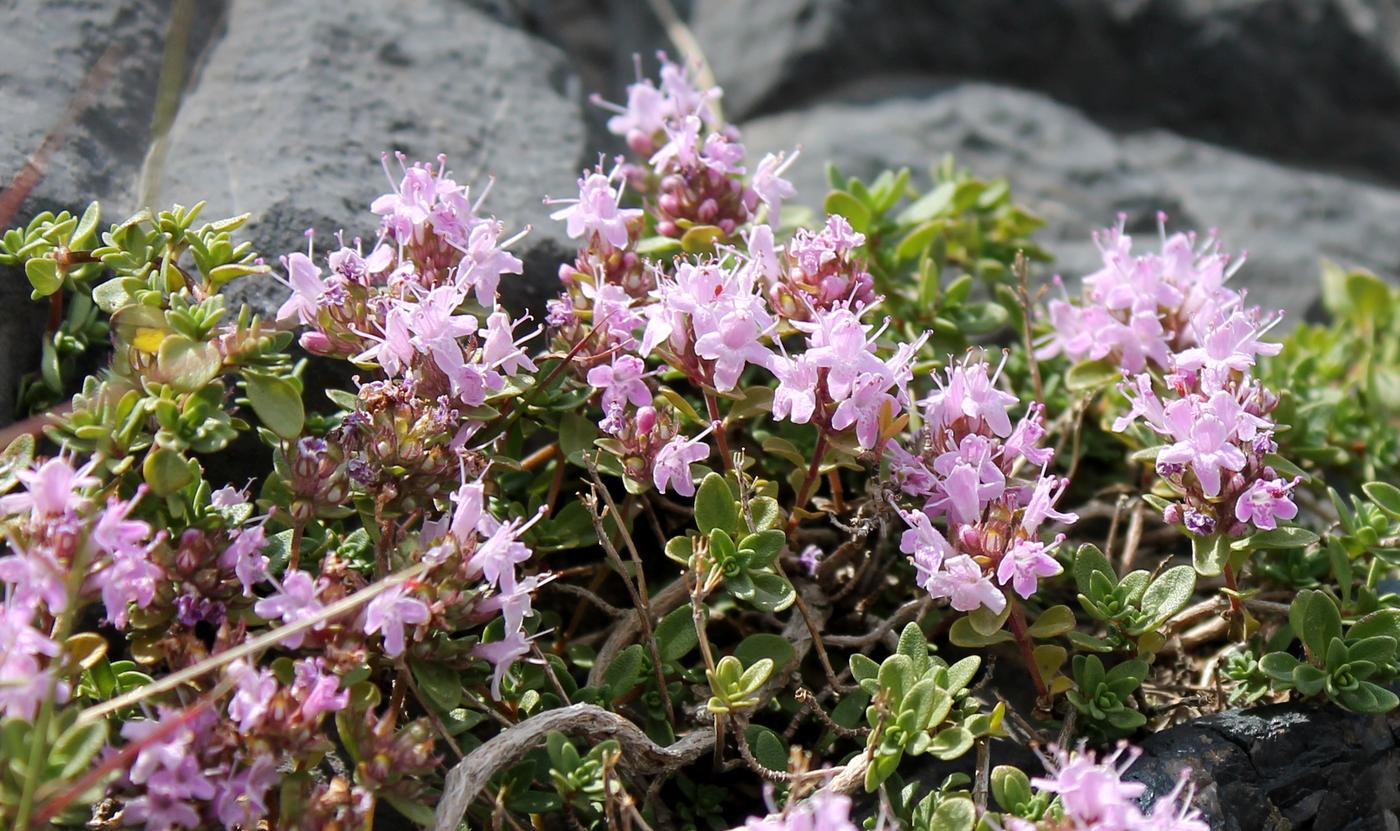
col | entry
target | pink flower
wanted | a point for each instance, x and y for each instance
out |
(50, 489)
(868, 401)
(500, 350)
(795, 397)
(1024, 564)
(834, 242)
(1265, 502)
(318, 691)
(596, 212)
(969, 391)
(513, 601)
(294, 601)
(483, 262)
(1092, 793)
(1041, 505)
(497, 557)
(924, 544)
(242, 797)
(304, 279)
(501, 655)
(822, 811)
(252, 694)
(769, 184)
(130, 578)
(24, 680)
(389, 613)
(621, 381)
(671, 467)
(838, 342)
(244, 556)
(1203, 442)
(732, 336)
(965, 586)
(679, 151)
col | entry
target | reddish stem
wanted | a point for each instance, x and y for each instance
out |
(813, 471)
(1023, 640)
(712, 407)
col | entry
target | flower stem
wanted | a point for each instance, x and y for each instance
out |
(712, 407)
(1023, 640)
(1237, 613)
(813, 471)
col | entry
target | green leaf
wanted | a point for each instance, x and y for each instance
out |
(772, 593)
(714, 506)
(766, 514)
(439, 683)
(1384, 622)
(847, 205)
(863, 667)
(187, 364)
(1209, 554)
(928, 206)
(914, 646)
(1386, 496)
(951, 742)
(1054, 621)
(701, 239)
(675, 635)
(77, 747)
(1278, 666)
(1088, 560)
(166, 471)
(963, 634)
(1308, 679)
(43, 276)
(1283, 537)
(680, 549)
(1371, 699)
(1092, 375)
(1010, 788)
(277, 403)
(768, 747)
(986, 622)
(763, 645)
(1166, 596)
(765, 547)
(657, 247)
(954, 814)
(414, 811)
(1316, 619)
(621, 675)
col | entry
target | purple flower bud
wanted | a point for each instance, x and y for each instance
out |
(1198, 523)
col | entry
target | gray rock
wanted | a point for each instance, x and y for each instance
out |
(298, 100)
(1282, 768)
(100, 122)
(1078, 175)
(1316, 81)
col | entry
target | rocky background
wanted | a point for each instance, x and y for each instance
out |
(1277, 121)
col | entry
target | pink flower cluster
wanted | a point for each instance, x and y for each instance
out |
(1171, 313)
(1218, 437)
(964, 464)
(1094, 797)
(210, 770)
(400, 307)
(692, 160)
(822, 811)
(53, 525)
(1140, 310)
